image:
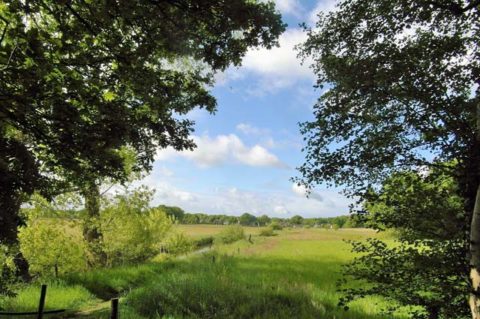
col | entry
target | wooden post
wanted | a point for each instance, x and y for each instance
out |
(114, 314)
(41, 304)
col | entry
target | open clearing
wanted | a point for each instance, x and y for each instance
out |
(291, 275)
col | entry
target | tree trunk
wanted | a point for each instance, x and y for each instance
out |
(475, 258)
(475, 241)
(91, 230)
(9, 222)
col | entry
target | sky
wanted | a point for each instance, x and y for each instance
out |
(248, 151)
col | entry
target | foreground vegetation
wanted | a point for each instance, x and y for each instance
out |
(290, 275)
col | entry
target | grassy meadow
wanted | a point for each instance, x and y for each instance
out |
(290, 275)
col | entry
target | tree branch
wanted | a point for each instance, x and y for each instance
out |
(455, 8)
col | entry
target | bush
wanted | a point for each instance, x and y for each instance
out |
(203, 242)
(230, 234)
(7, 271)
(266, 232)
(276, 226)
(179, 244)
(132, 232)
(51, 248)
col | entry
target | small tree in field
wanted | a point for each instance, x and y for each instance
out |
(50, 249)
(50, 240)
(296, 220)
(132, 231)
(247, 219)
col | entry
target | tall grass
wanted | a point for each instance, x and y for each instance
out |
(59, 296)
(292, 275)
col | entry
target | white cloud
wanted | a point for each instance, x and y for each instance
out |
(248, 129)
(302, 191)
(165, 192)
(234, 201)
(273, 69)
(224, 149)
(281, 61)
(165, 172)
(280, 210)
(292, 7)
(324, 6)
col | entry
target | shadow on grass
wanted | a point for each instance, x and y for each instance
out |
(226, 287)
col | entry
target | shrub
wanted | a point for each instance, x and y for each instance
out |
(179, 244)
(266, 232)
(132, 232)
(7, 271)
(230, 234)
(203, 242)
(276, 226)
(51, 248)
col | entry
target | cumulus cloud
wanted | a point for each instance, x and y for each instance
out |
(321, 6)
(281, 61)
(302, 191)
(280, 210)
(249, 129)
(274, 69)
(234, 201)
(224, 149)
(292, 7)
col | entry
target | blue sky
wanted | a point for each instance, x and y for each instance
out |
(248, 151)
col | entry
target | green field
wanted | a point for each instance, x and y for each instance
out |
(291, 275)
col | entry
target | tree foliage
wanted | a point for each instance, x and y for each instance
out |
(175, 212)
(247, 219)
(52, 250)
(400, 90)
(132, 231)
(84, 82)
(428, 217)
(401, 79)
(178, 243)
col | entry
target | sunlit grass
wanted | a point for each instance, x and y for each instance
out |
(292, 275)
(59, 296)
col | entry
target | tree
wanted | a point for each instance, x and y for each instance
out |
(296, 220)
(428, 217)
(403, 92)
(85, 83)
(263, 220)
(132, 231)
(176, 212)
(247, 219)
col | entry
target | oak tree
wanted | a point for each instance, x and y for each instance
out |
(401, 84)
(84, 83)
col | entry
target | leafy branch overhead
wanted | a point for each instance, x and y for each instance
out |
(84, 81)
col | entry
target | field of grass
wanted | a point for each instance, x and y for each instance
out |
(199, 231)
(291, 275)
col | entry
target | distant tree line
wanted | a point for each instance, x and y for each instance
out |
(247, 219)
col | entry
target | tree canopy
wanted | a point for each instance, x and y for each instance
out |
(400, 89)
(428, 217)
(88, 86)
(400, 85)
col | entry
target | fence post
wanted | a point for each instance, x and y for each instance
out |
(114, 314)
(41, 304)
